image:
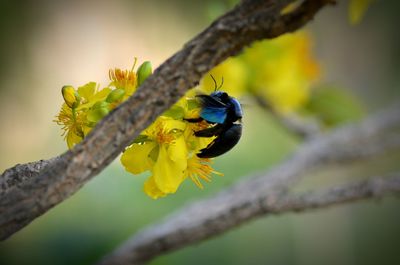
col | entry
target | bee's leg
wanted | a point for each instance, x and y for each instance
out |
(224, 142)
(212, 131)
(199, 119)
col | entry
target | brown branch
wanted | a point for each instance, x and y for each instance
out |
(181, 230)
(258, 195)
(376, 187)
(251, 20)
(19, 174)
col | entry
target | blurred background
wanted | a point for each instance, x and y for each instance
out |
(46, 44)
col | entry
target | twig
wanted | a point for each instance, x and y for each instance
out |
(184, 229)
(303, 127)
(376, 187)
(249, 21)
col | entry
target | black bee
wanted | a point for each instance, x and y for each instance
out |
(225, 113)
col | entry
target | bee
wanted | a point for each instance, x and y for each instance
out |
(224, 113)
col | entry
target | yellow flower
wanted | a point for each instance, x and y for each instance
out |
(73, 116)
(167, 148)
(74, 125)
(87, 105)
(126, 80)
(163, 152)
(129, 80)
(282, 70)
(90, 94)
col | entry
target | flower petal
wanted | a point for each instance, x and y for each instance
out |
(177, 151)
(86, 91)
(86, 130)
(168, 124)
(101, 95)
(151, 189)
(168, 174)
(202, 142)
(72, 139)
(136, 159)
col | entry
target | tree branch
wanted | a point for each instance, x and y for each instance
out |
(251, 20)
(302, 127)
(376, 187)
(265, 193)
(176, 233)
(20, 173)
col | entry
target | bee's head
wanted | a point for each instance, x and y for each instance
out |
(221, 95)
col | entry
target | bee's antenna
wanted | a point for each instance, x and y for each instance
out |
(222, 82)
(215, 82)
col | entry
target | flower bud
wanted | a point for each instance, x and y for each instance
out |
(98, 111)
(71, 97)
(115, 95)
(143, 72)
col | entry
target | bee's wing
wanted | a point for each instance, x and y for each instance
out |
(215, 115)
(208, 101)
(212, 110)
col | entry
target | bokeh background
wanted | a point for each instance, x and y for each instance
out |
(46, 44)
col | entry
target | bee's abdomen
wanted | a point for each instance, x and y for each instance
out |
(224, 142)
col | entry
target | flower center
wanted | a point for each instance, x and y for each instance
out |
(122, 78)
(163, 137)
(69, 122)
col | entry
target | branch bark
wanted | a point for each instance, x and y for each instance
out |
(23, 201)
(17, 175)
(268, 192)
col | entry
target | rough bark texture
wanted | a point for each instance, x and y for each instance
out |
(265, 193)
(20, 173)
(251, 20)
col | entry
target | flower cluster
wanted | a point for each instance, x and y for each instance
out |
(82, 109)
(167, 148)
(282, 71)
